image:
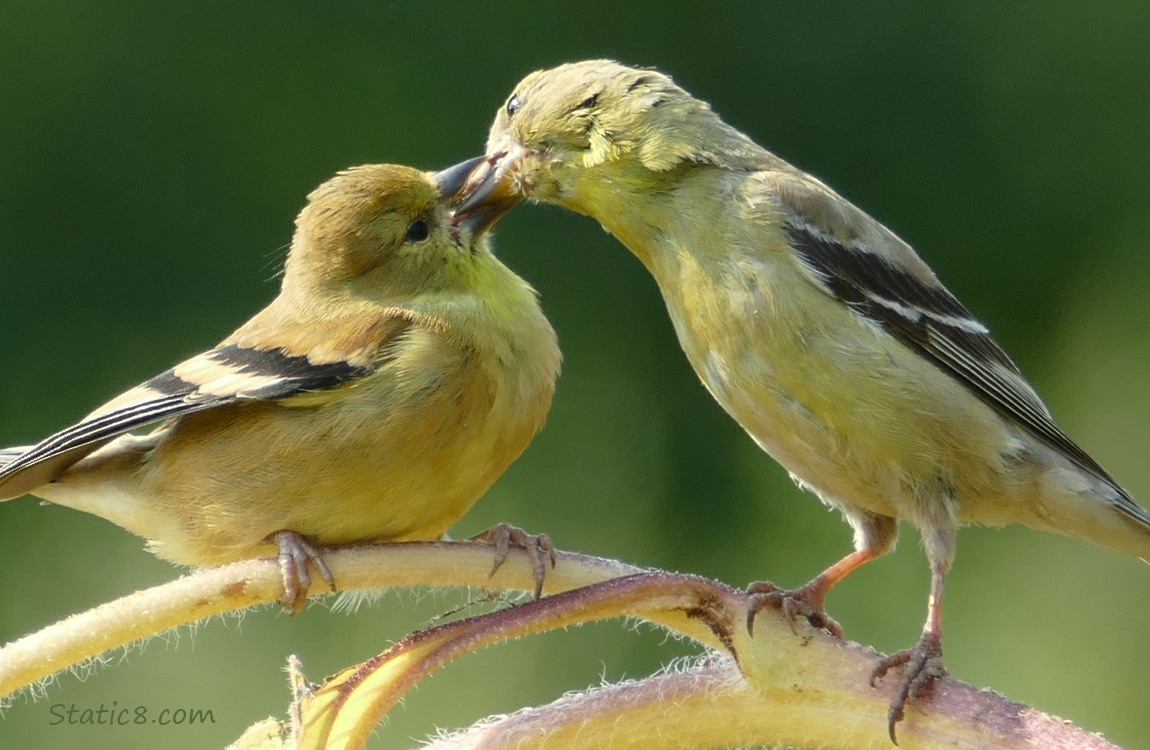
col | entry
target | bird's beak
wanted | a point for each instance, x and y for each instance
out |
(486, 192)
(452, 179)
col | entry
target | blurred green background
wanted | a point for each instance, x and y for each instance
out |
(153, 156)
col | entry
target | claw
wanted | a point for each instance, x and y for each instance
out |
(805, 601)
(923, 667)
(539, 549)
(295, 554)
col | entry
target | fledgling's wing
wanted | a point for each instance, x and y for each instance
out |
(866, 267)
(8, 455)
(228, 374)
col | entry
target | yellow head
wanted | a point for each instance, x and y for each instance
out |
(566, 133)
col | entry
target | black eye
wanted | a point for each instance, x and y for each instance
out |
(513, 105)
(417, 232)
(589, 102)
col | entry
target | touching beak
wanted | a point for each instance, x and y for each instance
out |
(483, 189)
(452, 179)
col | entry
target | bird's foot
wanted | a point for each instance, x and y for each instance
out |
(923, 668)
(504, 537)
(805, 601)
(295, 554)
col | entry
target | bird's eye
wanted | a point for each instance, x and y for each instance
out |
(513, 105)
(417, 232)
(589, 102)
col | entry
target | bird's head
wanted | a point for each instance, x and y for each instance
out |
(388, 229)
(569, 134)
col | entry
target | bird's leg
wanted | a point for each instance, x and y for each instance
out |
(807, 600)
(539, 549)
(923, 661)
(295, 554)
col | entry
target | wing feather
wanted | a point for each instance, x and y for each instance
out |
(228, 374)
(919, 311)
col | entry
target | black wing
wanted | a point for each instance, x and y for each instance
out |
(225, 375)
(929, 319)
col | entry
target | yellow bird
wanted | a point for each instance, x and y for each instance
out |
(821, 332)
(399, 372)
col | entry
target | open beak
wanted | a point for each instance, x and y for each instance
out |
(452, 179)
(483, 190)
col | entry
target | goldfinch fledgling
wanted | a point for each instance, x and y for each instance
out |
(399, 372)
(821, 332)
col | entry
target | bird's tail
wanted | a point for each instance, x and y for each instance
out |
(1136, 538)
(1105, 514)
(8, 455)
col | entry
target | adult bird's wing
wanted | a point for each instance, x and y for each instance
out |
(855, 259)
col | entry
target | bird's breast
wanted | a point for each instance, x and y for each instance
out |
(842, 406)
(401, 455)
